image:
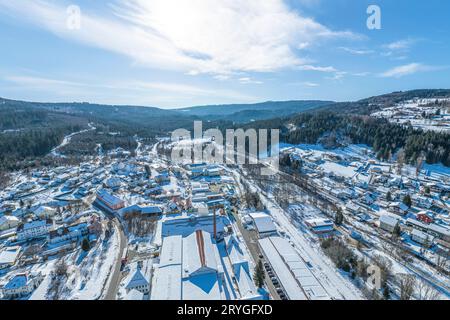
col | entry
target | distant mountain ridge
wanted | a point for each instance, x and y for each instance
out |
(252, 112)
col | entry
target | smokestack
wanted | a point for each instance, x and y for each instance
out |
(215, 224)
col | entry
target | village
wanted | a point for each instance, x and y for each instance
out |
(425, 114)
(140, 227)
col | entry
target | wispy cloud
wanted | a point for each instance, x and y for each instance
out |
(144, 92)
(198, 36)
(317, 68)
(247, 80)
(310, 84)
(403, 44)
(359, 52)
(408, 69)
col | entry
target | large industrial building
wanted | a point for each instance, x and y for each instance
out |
(292, 272)
(195, 267)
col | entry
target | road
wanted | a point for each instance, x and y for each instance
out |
(68, 138)
(251, 241)
(115, 276)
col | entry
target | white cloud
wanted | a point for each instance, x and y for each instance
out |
(339, 75)
(140, 92)
(196, 36)
(310, 84)
(403, 44)
(406, 70)
(317, 68)
(359, 52)
(247, 80)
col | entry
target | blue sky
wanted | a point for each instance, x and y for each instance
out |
(176, 53)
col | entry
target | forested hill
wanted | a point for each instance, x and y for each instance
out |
(370, 105)
(242, 113)
(30, 130)
(341, 123)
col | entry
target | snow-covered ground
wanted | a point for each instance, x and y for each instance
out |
(88, 273)
(323, 269)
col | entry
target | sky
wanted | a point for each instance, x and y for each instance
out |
(179, 53)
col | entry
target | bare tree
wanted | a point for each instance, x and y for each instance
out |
(442, 260)
(426, 292)
(400, 161)
(407, 285)
(4, 179)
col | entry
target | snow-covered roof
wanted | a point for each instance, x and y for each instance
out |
(36, 224)
(43, 209)
(198, 254)
(263, 222)
(137, 280)
(319, 222)
(292, 271)
(171, 252)
(17, 281)
(389, 220)
(8, 219)
(108, 198)
(9, 255)
(188, 269)
(287, 280)
(422, 235)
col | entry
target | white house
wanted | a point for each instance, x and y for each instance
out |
(263, 224)
(21, 285)
(35, 229)
(422, 238)
(8, 222)
(138, 282)
(388, 222)
(44, 212)
(9, 256)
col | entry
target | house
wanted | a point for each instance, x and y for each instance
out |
(198, 187)
(352, 208)
(398, 208)
(143, 210)
(113, 183)
(109, 200)
(368, 199)
(200, 208)
(34, 229)
(44, 212)
(162, 178)
(388, 222)
(422, 238)
(264, 224)
(197, 172)
(172, 208)
(212, 171)
(9, 256)
(138, 282)
(424, 217)
(71, 233)
(21, 285)
(320, 225)
(8, 222)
